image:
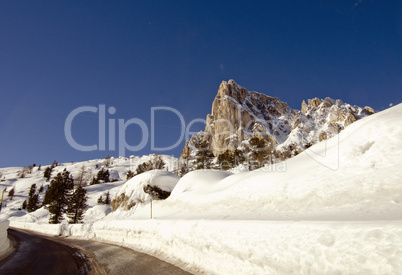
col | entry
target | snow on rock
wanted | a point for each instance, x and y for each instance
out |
(132, 192)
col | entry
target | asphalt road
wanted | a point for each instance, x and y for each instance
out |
(37, 255)
(40, 254)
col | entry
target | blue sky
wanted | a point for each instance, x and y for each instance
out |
(56, 56)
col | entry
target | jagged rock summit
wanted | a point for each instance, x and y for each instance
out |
(239, 115)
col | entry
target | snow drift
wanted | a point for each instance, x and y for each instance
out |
(196, 185)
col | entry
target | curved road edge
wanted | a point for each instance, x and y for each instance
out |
(107, 258)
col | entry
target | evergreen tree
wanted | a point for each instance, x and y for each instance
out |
(48, 172)
(183, 169)
(77, 205)
(24, 204)
(204, 156)
(82, 177)
(107, 198)
(155, 163)
(130, 175)
(230, 159)
(143, 167)
(32, 190)
(158, 163)
(103, 175)
(33, 203)
(100, 200)
(94, 181)
(58, 194)
(260, 153)
(33, 199)
(11, 193)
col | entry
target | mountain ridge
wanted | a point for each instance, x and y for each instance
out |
(238, 115)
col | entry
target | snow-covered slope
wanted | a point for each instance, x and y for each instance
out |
(351, 176)
(118, 169)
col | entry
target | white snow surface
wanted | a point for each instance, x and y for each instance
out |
(335, 209)
(4, 241)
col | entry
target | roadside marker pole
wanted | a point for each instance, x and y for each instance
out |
(1, 203)
(151, 206)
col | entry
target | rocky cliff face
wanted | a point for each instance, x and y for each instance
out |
(238, 115)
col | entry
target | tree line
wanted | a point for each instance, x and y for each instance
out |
(60, 198)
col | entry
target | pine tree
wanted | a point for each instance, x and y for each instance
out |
(259, 155)
(100, 200)
(77, 205)
(33, 199)
(48, 172)
(58, 194)
(103, 175)
(33, 203)
(24, 204)
(32, 190)
(107, 199)
(183, 169)
(130, 175)
(204, 156)
(155, 163)
(82, 177)
(11, 193)
(94, 181)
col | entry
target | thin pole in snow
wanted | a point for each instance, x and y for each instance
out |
(151, 207)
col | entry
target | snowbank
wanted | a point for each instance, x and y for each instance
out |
(195, 185)
(4, 241)
(254, 247)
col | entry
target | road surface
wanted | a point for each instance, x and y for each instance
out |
(39, 254)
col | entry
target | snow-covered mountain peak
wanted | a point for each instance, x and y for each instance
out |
(238, 115)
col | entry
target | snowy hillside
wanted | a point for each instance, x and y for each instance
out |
(117, 167)
(351, 176)
(335, 208)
